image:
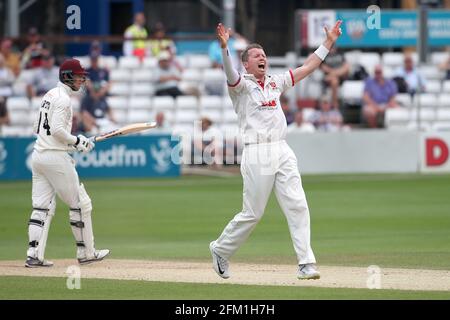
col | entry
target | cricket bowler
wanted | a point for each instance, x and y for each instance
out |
(267, 160)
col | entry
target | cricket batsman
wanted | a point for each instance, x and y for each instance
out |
(267, 160)
(54, 171)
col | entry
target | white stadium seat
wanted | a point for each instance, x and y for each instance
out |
(131, 62)
(446, 86)
(150, 62)
(444, 100)
(142, 89)
(142, 75)
(117, 102)
(183, 128)
(108, 62)
(433, 86)
(427, 115)
(19, 117)
(191, 75)
(308, 113)
(26, 75)
(443, 115)
(388, 72)
(436, 58)
(369, 60)
(210, 102)
(19, 88)
(121, 115)
(140, 103)
(404, 100)
(230, 130)
(397, 117)
(187, 102)
(123, 75)
(17, 131)
(36, 103)
(183, 61)
(199, 61)
(441, 126)
(430, 72)
(18, 103)
(140, 115)
(186, 116)
(230, 116)
(214, 81)
(119, 89)
(414, 125)
(426, 100)
(163, 103)
(392, 59)
(352, 90)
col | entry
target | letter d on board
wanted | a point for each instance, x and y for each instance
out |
(436, 152)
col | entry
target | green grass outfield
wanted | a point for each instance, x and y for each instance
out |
(356, 220)
(55, 289)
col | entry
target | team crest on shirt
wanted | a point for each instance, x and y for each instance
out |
(273, 85)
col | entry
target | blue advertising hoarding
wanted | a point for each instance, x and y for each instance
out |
(383, 28)
(397, 29)
(133, 156)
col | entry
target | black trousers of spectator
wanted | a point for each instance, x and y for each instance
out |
(174, 92)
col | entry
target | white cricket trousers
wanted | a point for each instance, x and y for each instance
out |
(264, 166)
(54, 173)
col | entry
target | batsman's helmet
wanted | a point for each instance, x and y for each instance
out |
(68, 69)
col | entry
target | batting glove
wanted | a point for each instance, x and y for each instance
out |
(84, 144)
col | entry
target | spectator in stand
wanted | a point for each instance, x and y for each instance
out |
(12, 59)
(167, 77)
(96, 114)
(161, 121)
(284, 101)
(136, 47)
(379, 94)
(300, 125)
(414, 80)
(95, 49)
(336, 70)
(4, 116)
(44, 78)
(160, 41)
(33, 53)
(209, 143)
(6, 82)
(327, 118)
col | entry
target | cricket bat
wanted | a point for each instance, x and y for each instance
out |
(128, 129)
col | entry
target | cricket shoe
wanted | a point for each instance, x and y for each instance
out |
(308, 271)
(99, 255)
(36, 263)
(220, 264)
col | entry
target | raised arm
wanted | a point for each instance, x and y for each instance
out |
(223, 35)
(315, 59)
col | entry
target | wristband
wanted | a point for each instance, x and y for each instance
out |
(322, 52)
(78, 141)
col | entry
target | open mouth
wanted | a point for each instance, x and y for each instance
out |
(262, 66)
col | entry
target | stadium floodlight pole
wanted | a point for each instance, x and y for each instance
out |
(228, 13)
(13, 18)
(422, 47)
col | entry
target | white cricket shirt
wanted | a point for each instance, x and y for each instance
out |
(54, 120)
(260, 116)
